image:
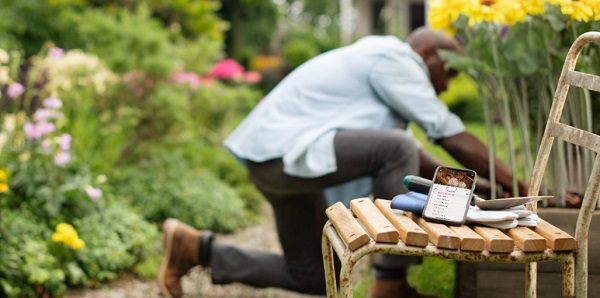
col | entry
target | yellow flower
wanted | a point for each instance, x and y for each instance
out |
(484, 11)
(66, 234)
(580, 10)
(443, 12)
(533, 7)
(3, 180)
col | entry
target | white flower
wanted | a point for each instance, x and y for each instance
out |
(93, 193)
(3, 56)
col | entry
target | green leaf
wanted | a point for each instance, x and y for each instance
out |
(527, 64)
(463, 63)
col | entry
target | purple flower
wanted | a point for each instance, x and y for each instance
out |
(34, 131)
(45, 127)
(62, 158)
(52, 103)
(93, 193)
(64, 141)
(55, 52)
(14, 90)
(42, 114)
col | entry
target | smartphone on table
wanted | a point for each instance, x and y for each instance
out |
(450, 195)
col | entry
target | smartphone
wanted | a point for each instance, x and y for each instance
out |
(450, 195)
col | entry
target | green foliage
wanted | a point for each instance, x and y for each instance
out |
(26, 24)
(126, 40)
(169, 188)
(28, 269)
(196, 18)
(462, 97)
(434, 277)
(116, 239)
(298, 51)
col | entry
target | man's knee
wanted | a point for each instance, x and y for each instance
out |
(397, 145)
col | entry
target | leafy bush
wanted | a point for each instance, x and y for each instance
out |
(169, 188)
(126, 41)
(28, 268)
(117, 239)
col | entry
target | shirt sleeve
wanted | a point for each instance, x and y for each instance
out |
(401, 80)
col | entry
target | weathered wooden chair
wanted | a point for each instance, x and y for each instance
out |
(373, 227)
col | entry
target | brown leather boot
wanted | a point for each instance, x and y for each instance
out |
(392, 288)
(181, 247)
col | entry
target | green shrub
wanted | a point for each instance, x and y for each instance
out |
(298, 51)
(169, 188)
(116, 239)
(28, 269)
(126, 41)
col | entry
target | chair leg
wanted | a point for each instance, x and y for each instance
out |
(530, 280)
(346, 278)
(329, 266)
(568, 275)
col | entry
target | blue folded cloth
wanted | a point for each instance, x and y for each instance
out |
(411, 201)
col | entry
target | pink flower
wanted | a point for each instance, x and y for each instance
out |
(93, 193)
(227, 69)
(55, 52)
(62, 158)
(14, 90)
(252, 77)
(64, 141)
(52, 103)
(46, 144)
(184, 77)
(43, 114)
(34, 131)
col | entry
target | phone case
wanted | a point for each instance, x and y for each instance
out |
(444, 177)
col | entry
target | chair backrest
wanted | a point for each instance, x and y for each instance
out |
(557, 130)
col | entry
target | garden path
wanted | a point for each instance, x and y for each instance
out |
(260, 236)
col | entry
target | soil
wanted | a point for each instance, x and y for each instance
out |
(197, 283)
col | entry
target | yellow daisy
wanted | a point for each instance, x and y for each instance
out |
(66, 234)
(443, 13)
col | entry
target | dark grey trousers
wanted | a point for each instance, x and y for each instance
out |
(299, 206)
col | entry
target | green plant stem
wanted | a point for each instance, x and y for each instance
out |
(505, 109)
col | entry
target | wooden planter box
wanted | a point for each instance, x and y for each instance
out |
(495, 280)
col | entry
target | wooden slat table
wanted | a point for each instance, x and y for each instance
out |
(373, 227)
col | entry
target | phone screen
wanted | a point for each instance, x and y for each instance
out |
(450, 195)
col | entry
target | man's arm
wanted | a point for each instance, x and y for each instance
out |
(473, 154)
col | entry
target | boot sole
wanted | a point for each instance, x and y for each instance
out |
(169, 230)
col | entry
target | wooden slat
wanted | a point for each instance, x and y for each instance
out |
(380, 228)
(558, 240)
(495, 240)
(469, 240)
(583, 80)
(410, 232)
(527, 240)
(440, 235)
(574, 135)
(346, 225)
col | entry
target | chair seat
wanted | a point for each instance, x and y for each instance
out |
(374, 227)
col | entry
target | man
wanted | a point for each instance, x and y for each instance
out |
(337, 118)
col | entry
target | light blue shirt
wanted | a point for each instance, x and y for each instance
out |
(379, 82)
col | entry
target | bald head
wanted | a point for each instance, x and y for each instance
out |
(425, 42)
(424, 38)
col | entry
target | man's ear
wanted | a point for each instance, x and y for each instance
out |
(426, 51)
